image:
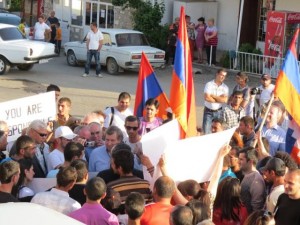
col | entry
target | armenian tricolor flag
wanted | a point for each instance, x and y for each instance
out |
(287, 89)
(148, 87)
(182, 96)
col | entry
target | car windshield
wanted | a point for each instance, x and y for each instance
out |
(10, 33)
(131, 39)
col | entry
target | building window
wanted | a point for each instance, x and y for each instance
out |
(265, 6)
(76, 12)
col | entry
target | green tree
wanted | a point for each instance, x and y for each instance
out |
(15, 5)
(147, 18)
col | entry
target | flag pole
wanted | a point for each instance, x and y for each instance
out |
(264, 118)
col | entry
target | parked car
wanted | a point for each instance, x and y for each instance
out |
(16, 50)
(122, 49)
(12, 19)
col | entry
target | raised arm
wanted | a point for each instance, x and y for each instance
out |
(216, 174)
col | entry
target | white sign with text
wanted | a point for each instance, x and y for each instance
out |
(19, 113)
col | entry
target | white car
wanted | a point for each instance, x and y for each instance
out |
(122, 49)
(16, 50)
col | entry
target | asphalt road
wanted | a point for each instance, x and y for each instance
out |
(93, 93)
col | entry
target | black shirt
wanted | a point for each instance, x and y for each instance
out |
(7, 197)
(77, 193)
(287, 211)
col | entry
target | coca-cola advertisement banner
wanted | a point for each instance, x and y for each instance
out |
(293, 17)
(274, 36)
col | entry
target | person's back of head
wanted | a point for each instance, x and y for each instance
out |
(189, 188)
(181, 215)
(112, 201)
(66, 177)
(260, 217)
(123, 158)
(53, 87)
(134, 205)
(95, 189)
(164, 187)
(200, 210)
(206, 222)
(9, 172)
(82, 169)
(73, 150)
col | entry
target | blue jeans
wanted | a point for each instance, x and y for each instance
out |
(208, 116)
(89, 57)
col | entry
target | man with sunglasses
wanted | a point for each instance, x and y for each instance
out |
(63, 135)
(37, 130)
(266, 89)
(132, 124)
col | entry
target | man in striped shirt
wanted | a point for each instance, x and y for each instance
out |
(122, 162)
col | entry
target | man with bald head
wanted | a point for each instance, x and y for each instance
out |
(159, 212)
(287, 210)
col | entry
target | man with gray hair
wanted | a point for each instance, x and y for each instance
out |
(37, 130)
(95, 139)
(100, 157)
(181, 215)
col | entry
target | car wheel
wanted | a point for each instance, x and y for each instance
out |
(4, 65)
(112, 66)
(71, 58)
(25, 67)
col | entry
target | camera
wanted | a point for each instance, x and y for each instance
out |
(89, 144)
(255, 91)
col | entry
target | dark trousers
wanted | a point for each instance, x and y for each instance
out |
(213, 55)
(170, 53)
(58, 46)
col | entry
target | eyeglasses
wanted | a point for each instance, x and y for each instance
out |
(41, 134)
(95, 133)
(131, 128)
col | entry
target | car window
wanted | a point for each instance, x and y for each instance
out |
(131, 39)
(106, 39)
(10, 33)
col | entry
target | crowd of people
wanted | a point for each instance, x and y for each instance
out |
(254, 180)
(200, 36)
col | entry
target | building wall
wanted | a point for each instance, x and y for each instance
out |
(123, 18)
(290, 5)
(227, 23)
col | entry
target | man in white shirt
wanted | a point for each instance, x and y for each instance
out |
(215, 94)
(58, 197)
(266, 89)
(94, 41)
(40, 28)
(116, 115)
(63, 135)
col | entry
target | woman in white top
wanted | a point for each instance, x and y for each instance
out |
(24, 193)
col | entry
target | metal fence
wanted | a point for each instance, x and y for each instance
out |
(255, 64)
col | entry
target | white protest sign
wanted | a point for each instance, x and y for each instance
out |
(194, 158)
(19, 113)
(154, 142)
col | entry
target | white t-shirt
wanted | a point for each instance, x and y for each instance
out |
(272, 198)
(212, 88)
(265, 94)
(94, 39)
(55, 159)
(39, 30)
(118, 120)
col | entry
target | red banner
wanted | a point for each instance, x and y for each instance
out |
(293, 18)
(274, 36)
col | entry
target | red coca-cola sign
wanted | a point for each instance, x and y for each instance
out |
(274, 36)
(293, 17)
